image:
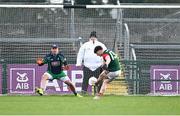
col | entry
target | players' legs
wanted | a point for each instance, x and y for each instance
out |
(96, 74)
(46, 76)
(110, 77)
(107, 78)
(71, 87)
(67, 81)
(87, 74)
(102, 76)
(104, 86)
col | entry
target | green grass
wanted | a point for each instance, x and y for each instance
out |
(108, 105)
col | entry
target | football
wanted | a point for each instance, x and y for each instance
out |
(92, 80)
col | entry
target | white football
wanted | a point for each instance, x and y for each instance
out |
(92, 80)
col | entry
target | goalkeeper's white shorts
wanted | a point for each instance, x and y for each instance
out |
(51, 77)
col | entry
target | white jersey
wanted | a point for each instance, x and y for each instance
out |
(87, 56)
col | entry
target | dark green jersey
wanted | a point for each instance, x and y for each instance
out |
(55, 62)
(114, 65)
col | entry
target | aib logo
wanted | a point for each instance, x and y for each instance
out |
(22, 80)
(165, 78)
(165, 82)
(22, 77)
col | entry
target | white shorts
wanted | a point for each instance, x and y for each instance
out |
(113, 75)
(63, 79)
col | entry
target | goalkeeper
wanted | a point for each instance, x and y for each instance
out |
(55, 61)
(111, 67)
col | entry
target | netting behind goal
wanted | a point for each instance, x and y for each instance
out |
(26, 33)
(153, 33)
(154, 40)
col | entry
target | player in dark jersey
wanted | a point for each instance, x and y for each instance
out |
(111, 67)
(56, 64)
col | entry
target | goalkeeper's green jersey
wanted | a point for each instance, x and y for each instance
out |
(55, 62)
(114, 65)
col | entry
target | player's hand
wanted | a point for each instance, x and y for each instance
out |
(39, 61)
(104, 67)
(96, 83)
(67, 67)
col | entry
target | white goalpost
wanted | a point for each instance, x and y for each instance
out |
(93, 6)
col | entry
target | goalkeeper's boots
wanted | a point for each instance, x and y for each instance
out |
(39, 91)
(78, 95)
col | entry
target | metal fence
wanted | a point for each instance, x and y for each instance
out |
(140, 79)
(26, 33)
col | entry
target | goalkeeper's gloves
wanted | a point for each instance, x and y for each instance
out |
(39, 61)
(66, 67)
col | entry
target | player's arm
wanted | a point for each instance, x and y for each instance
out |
(103, 75)
(107, 60)
(64, 60)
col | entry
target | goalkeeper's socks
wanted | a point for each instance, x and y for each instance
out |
(73, 89)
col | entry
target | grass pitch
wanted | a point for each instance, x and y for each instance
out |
(108, 105)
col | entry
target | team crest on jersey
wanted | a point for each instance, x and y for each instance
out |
(55, 63)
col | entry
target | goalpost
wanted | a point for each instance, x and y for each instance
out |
(92, 6)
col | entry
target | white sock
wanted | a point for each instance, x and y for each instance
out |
(103, 88)
(43, 85)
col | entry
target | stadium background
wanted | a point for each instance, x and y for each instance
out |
(141, 37)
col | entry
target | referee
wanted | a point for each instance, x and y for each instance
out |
(91, 62)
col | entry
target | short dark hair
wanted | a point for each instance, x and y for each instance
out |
(97, 48)
(93, 34)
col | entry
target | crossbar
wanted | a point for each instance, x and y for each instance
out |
(92, 6)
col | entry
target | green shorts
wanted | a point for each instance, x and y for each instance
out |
(61, 76)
